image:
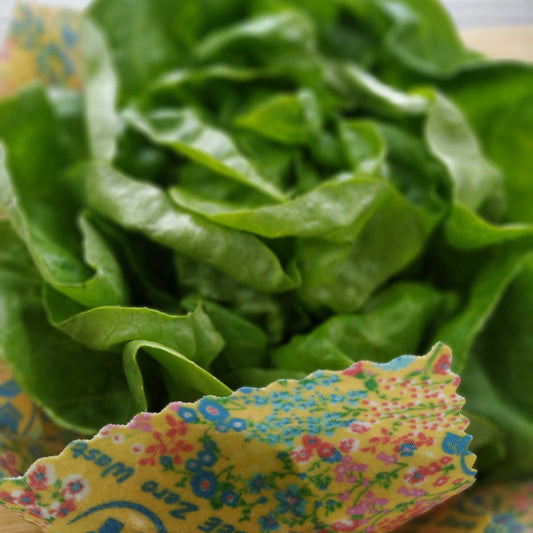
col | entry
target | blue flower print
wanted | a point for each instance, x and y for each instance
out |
(188, 415)
(330, 505)
(263, 428)
(336, 398)
(505, 523)
(230, 498)
(166, 461)
(309, 384)
(222, 428)
(396, 364)
(290, 432)
(237, 424)
(314, 429)
(290, 500)
(212, 410)
(207, 458)
(259, 401)
(268, 523)
(334, 458)
(286, 407)
(192, 465)
(407, 449)
(279, 395)
(257, 484)
(204, 484)
(273, 439)
(210, 444)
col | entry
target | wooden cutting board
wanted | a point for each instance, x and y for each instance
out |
(500, 43)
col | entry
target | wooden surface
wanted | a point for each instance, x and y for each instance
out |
(505, 43)
(11, 523)
(502, 43)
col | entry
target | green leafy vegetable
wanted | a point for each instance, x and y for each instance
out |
(252, 190)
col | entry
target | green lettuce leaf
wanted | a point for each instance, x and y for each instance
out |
(79, 388)
(142, 207)
(394, 320)
(181, 377)
(185, 132)
(77, 262)
(109, 328)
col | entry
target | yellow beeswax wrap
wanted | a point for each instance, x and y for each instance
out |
(365, 449)
(43, 44)
(25, 432)
(501, 508)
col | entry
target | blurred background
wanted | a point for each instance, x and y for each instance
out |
(468, 14)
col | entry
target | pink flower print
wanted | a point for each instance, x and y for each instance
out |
(167, 445)
(347, 524)
(345, 470)
(415, 475)
(360, 509)
(412, 492)
(39, 512)
(387, 459)
(8, 463)
(310, 441)
(175, 406)
(343, 496)
(302, 455)
(354, 370)
(104, 432)
(142, 421)
(75, 487)
(7, 497)
(341, 471)
(443, 364)
(380, 502)
(41, 476)
(445, 460)
(10, 458)
(349, 445)
(442, 480)
(176, 427)
(61, 509)
(360, 427)
(137, 448)
(25, 498)
(118, 438)
(423, 440)
(328, 451)
(433, 468)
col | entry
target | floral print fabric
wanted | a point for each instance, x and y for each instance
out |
(499, 508)
(43, 44)
(365, 449)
